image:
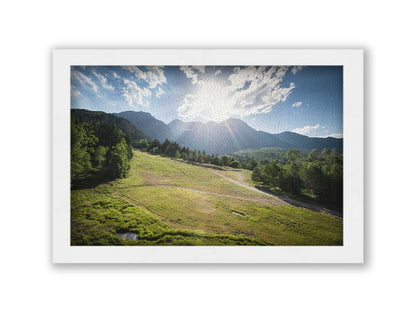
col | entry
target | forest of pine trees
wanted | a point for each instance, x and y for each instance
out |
(317, 175)
(98, 150)
(174, 150)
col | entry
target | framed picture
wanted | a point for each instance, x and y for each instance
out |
(208, 156)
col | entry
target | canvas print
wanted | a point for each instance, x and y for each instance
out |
(206, 155)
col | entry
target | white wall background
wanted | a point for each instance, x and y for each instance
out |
(30, 29)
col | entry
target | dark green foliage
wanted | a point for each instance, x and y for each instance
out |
(234, 164)
(252, 164)
(257, 176)
(293, 155)
(224, 160)
(320, 175)
(313, 155)
(216, 161)
(99, 149)
(102, 122)
(174, 150)
(143, 144)
(83, 141)
(315, 179)
(99, 156)
(118, 160)
(291, 181)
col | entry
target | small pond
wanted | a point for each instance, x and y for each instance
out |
(128, 235)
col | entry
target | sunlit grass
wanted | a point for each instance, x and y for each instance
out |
(168, 202)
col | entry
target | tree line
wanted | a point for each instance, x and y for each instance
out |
(317, 175)
(174, 150)
(98, 150)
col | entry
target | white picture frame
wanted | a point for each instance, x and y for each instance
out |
(352, 250)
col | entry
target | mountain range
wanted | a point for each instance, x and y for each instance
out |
(225, 137)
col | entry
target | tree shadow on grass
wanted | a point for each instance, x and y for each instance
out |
(90, 181)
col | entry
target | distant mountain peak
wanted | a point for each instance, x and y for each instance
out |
(154, 128)
(303, 142)
(211, 123)
(138, 112)
(176, 122)
(224, 137)
(232, 119)
(236, 122)
(291, 133)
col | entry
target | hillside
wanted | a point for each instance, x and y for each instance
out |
(169, 202)
(306, 143)
(91, 117)
(154, 128)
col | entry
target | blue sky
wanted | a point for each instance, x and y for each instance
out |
(303, 99)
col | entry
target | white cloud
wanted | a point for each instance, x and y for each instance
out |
(191, 72)
(115, 75)
(248, 91)
(103, 81)
(154, 75)
(186, 109)
(336, 135)
(134, 95)
(306, 129)
(100, 77)
(133, 69)
(84, 80)
(297, 104)
(159, 92)
(108, 87)
(74, 91)
(295, 69)
(217, 72)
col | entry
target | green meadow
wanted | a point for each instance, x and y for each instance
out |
(171, 202)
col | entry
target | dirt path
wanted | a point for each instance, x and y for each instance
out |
(272, 199)
(240, 181)
(282, 199)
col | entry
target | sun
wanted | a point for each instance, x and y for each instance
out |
(210, 101)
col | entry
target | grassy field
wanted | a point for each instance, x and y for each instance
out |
(169, 202)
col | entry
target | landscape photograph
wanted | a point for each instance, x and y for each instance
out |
(206, 155)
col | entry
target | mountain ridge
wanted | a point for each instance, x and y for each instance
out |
(224, 137)
(84, 115)
(154, 128)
